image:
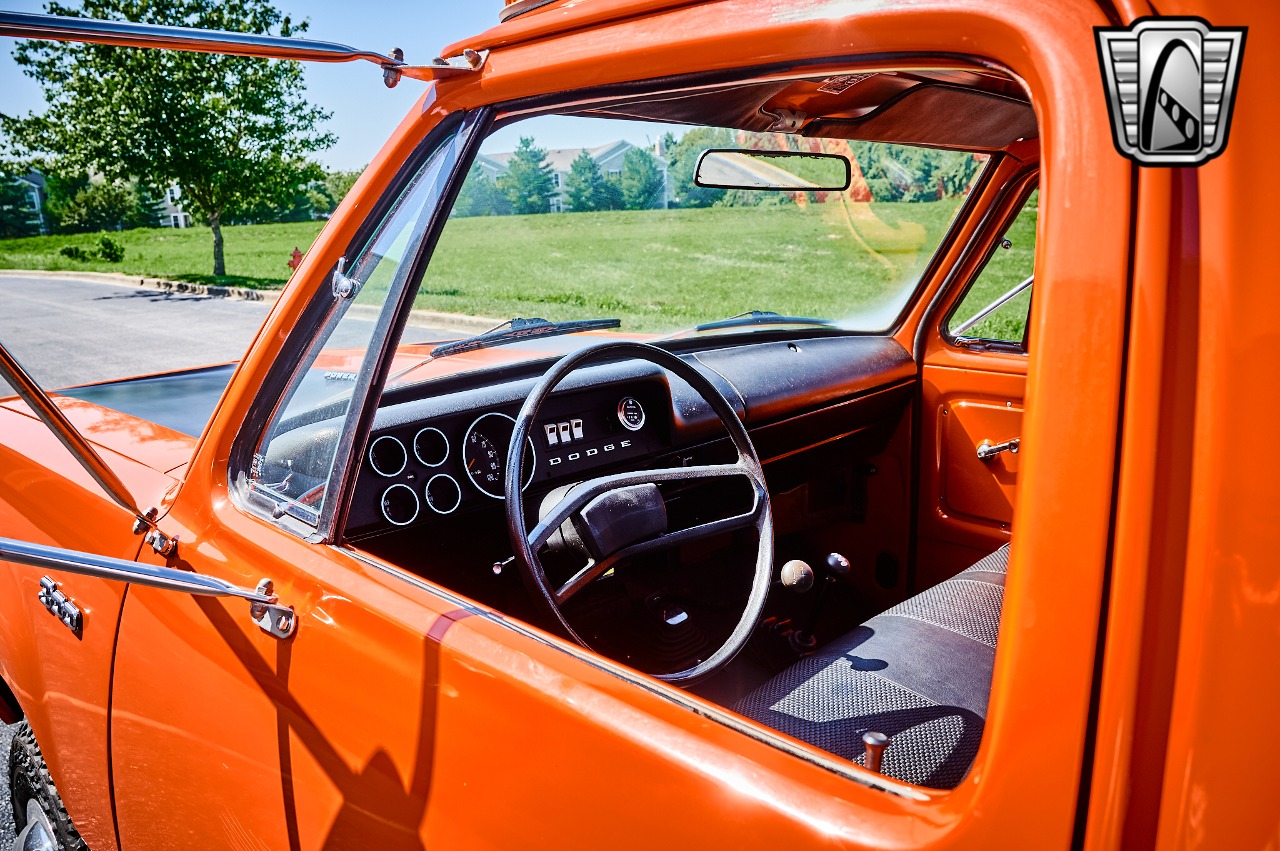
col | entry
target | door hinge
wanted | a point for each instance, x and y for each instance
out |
(164, 545)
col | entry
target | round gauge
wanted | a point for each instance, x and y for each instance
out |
(431, 446)
(388, 456)
(443, 493)
(484, 454)
(400, 504)
(631, 413)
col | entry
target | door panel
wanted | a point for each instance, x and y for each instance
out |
(976, 488)
(63, 681)
(966, 504)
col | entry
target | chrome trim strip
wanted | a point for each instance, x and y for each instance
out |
(132, 572)
(849, 770)
(51, 415)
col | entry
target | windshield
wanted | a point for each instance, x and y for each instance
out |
(568, 218)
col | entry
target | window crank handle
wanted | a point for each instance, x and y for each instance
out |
(988, 450)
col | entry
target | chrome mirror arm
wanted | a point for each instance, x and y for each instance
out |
(51, 415)
(264, 609)
(130, 34)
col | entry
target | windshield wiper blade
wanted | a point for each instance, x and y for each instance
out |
(521, 329)
(762, 317)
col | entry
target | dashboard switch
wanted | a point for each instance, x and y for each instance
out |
(553, 434)
(565, 436)
(576, 426)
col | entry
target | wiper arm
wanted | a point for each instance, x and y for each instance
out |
(762, 317)
(521, 329)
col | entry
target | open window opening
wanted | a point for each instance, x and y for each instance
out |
(596, 225)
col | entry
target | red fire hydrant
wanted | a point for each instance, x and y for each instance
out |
(297, 259)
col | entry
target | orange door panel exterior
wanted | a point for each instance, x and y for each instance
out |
(61, 680)
(227, 737)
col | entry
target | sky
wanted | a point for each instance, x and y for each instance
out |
(364, 110)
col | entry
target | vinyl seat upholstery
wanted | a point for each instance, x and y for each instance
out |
(919, 672)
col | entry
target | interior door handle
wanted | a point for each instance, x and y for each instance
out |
(988, 450)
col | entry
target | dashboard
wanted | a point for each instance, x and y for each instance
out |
(434, 456)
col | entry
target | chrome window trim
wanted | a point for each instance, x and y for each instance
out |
(321, 316)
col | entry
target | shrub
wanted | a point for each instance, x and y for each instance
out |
(75, 252)
(110, 250)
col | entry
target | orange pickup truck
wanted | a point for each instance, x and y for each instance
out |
(874, 482)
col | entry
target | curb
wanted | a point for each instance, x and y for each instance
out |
(183, 287)
(417, 318)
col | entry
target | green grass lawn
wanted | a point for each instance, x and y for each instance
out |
(256, 255)
(655, 270)
(660, 270)
(1006, 269)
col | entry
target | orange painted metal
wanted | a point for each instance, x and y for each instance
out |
(1230, 607)
(63, 681)
(523, 723)
(400, 715)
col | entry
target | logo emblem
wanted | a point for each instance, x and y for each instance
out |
(1171, 83)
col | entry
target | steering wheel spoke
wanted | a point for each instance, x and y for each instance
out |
(594, 569)
(592, 488)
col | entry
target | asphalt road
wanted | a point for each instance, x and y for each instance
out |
(72, 332)
(6, 812)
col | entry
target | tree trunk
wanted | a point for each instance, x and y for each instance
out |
(219, 265)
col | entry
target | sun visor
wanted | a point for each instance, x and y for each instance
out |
(941, 116)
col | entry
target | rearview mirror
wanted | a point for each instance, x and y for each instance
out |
(778, 170)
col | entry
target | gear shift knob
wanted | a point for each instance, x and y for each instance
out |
(837, 564)
(797, 575)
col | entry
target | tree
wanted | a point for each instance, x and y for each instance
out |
(480, 197)
(17, 214)
(588, 189)
(304, 201)
(84, 205)
(231, 131)
(682, 158)
(527, 182)
(338, 183)
(642, 181)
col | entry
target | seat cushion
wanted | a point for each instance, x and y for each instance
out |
(920, 673)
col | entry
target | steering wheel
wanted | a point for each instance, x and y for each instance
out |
(635, 497)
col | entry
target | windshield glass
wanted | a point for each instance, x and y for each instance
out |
(568, 218)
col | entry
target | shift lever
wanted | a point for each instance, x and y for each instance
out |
(836, 568)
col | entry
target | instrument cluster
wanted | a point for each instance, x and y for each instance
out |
(427, 471)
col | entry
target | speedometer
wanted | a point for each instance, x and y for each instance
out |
(484, 453)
